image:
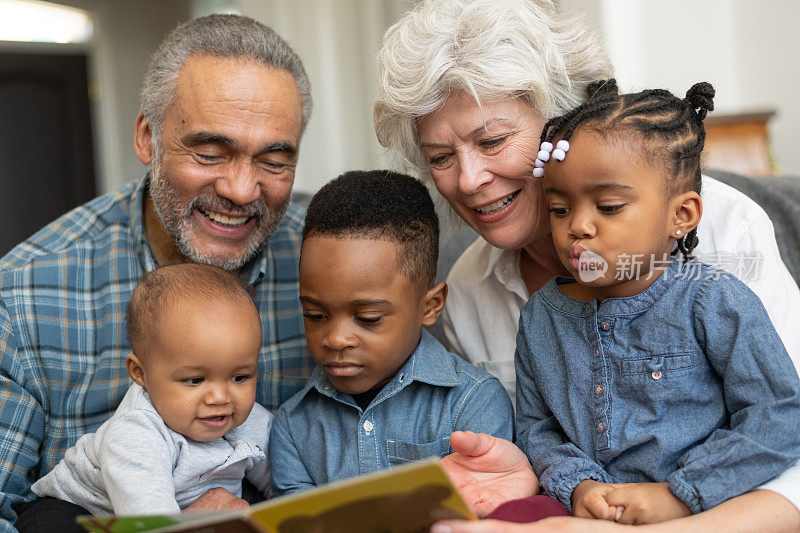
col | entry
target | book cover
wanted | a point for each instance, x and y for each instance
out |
(404, 499)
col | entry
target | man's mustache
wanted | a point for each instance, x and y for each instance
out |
(257, 208)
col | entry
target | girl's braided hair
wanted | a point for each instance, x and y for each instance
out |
(671, 127)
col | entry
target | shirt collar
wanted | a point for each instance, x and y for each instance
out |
(624, 306)
(498, 263)
(255, 269)
(252, 271)
(504, 266)
(429, 363)
(136, 213)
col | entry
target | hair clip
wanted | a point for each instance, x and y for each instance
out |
(541, 158)
(545, 150)
(561, 150)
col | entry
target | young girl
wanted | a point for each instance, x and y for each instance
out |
(651, 385)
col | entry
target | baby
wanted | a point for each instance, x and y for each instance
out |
(188, 423)
(384, 391)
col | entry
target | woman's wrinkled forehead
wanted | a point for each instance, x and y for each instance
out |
(465, 116)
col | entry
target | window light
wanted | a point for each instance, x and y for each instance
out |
(33, 20)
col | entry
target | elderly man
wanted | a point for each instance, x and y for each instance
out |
(223, 106)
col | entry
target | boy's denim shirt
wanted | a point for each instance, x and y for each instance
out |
(321, 435)
(686, 383)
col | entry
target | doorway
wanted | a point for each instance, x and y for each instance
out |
(45, 141)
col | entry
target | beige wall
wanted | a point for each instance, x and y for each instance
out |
(338, 41)
(748, 50)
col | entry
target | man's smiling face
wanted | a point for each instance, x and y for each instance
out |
(222, 173)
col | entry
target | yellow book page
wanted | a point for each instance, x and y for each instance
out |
(403, 499)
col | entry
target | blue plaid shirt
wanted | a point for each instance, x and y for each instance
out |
(63, 295)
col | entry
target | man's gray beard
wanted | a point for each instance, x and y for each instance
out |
(176, 220)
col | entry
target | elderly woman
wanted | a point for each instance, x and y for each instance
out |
(465, 88)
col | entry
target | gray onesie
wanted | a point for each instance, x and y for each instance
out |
(135, 464)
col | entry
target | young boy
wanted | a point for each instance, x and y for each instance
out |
(188, 423)
(384, 391)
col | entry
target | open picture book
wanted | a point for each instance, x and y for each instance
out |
(404, 499)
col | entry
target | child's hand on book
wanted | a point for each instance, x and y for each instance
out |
(645, 503)
(588, 500)
(216, 499)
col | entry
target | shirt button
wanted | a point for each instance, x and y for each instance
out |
(655, 374)
(599, 389)
(597, 352)
(368, 426)
(605, 326)
(401, 377)
(601, 427)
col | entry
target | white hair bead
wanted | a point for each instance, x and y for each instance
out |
(546, 146)
(563, 145)
(539, 163)
(538, 172)
(543, 155)
(559, 154)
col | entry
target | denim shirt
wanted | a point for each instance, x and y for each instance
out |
(685, 383)
(321, 435)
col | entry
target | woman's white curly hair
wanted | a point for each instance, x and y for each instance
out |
(494, 49)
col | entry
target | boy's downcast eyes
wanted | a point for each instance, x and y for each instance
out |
(240, 378)
(193, 381)
(363, 320)
(369, 320)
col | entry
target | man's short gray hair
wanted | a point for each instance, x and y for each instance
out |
(492, 49)
(222, 36)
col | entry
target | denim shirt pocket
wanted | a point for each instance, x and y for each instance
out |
(657, 366)
(399, 452)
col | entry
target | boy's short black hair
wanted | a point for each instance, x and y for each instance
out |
(381, 204)
(158, 292)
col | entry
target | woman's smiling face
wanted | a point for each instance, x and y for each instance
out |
(482, 159)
